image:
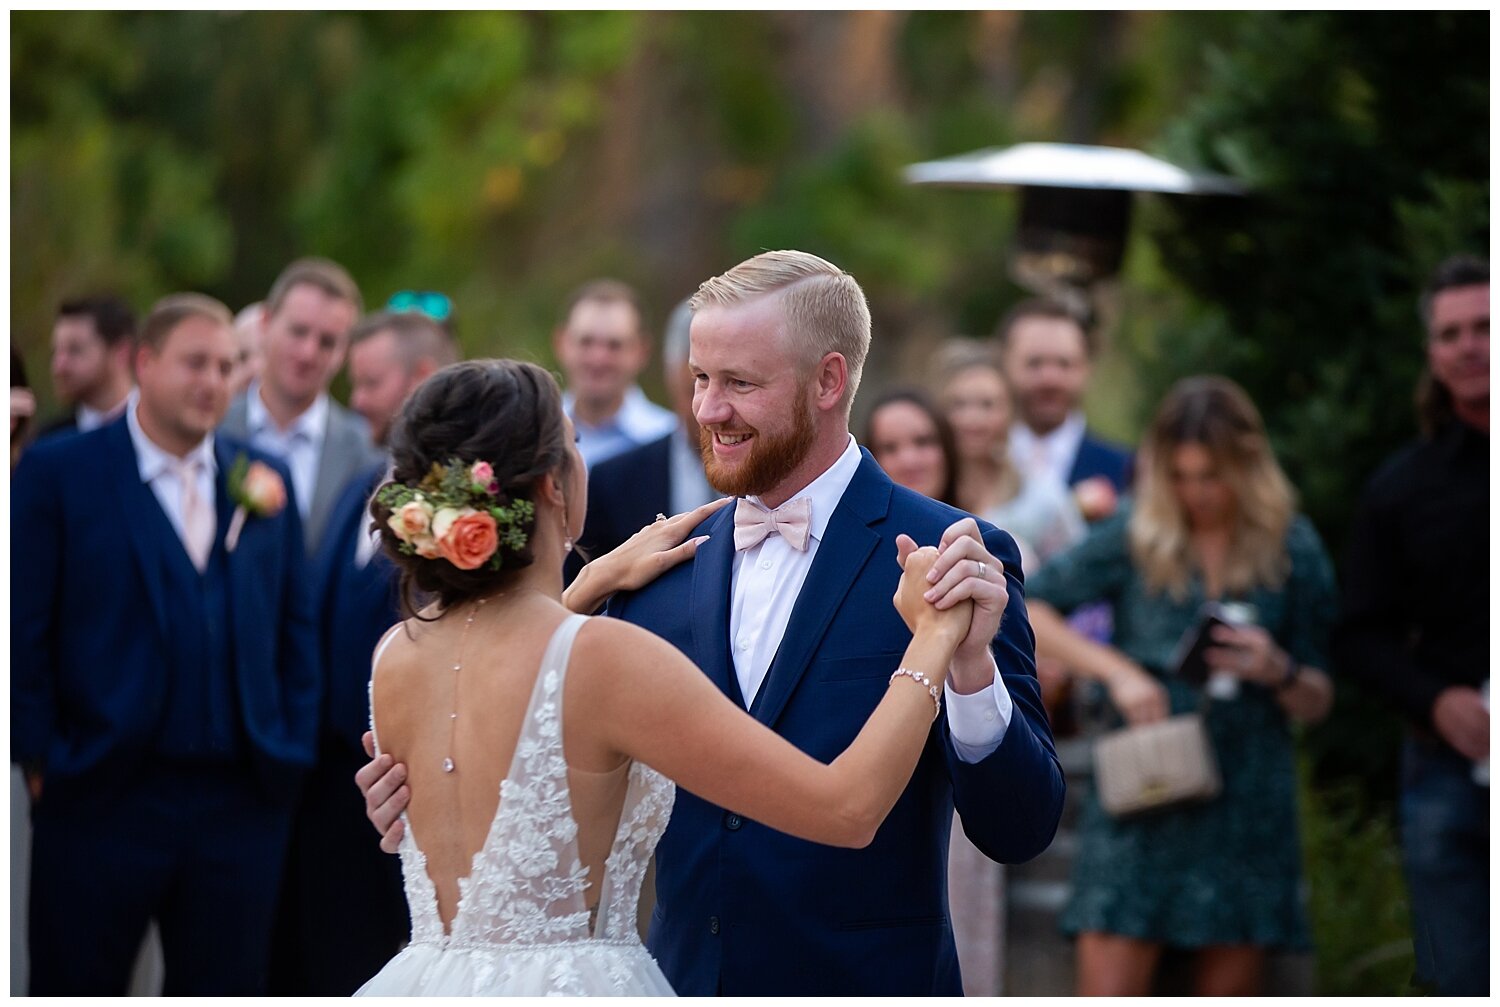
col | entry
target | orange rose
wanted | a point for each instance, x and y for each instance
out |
(467, 539)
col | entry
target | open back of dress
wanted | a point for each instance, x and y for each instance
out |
(521, 926)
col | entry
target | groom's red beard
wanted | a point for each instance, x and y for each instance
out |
(771, 458)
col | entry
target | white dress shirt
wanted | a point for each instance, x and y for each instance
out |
(1051, 454)
(92, 419)
(160, 470)
(765, 583)
(367, 539)
(638, 421)
(300, 445)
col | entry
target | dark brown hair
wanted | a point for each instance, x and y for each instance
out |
(1038, 307)
(111, 316)
(1433, 400)
(923, 401)
(505, 412)
(607, 292)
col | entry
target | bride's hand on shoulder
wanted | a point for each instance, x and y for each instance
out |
(640, 559)
(920, 615)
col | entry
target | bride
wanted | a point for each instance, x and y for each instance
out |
(541, 744)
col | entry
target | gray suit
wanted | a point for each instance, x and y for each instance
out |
(346, 452)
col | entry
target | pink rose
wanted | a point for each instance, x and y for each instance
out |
(1096, 498)
(466, 538)
(412, 520)
(482, 475)
(264, 490)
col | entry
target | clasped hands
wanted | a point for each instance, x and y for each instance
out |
(960, 570)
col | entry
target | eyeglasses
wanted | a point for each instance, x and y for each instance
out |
(429, 302)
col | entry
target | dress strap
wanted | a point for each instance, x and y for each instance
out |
(379, 650)
(560, 647)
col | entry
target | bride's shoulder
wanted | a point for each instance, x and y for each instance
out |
(620, 644)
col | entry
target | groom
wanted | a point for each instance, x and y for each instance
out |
(789, 613)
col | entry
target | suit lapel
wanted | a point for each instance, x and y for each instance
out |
(342, 454)
(848, 543)
(144, 529)
(713, 567)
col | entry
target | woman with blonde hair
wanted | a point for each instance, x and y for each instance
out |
(1041, 515)
(1213, 520)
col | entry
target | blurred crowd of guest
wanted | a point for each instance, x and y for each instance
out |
(188, 747)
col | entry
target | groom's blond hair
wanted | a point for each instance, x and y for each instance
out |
(824, 308)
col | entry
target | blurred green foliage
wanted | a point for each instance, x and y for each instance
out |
(505, 157)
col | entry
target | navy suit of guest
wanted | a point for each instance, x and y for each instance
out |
(744, 909)
(1100, 458)
(626, 493)
(170, 711)
(343, 911)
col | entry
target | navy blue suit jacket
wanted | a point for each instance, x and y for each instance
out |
(1101, 458)
(626, 493)
(357, 605)
(90, 643)
(744, 909)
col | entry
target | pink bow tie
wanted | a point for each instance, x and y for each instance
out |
(792, 521)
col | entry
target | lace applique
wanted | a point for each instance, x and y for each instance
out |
(526, 884)
(648, 807)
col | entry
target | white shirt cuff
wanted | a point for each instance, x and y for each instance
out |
(978, 721)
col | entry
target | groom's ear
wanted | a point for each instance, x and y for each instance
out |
(905, 546)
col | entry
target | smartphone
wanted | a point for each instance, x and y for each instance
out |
(1188, 660)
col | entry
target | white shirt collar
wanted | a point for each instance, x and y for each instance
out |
(827, 490)
(93, 419)
(1061, 444)
(152, 460)
(311, 424)
(638, 418)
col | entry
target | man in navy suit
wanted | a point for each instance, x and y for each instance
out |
(664, 476)
(164, 678)
(343, 911)
(798, 627)
(1046, 354)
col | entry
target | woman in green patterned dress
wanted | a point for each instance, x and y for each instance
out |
(1213, 519)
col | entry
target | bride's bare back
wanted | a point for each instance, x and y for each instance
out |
(451, 813)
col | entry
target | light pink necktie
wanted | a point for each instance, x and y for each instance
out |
(792, 521)
(197, 515)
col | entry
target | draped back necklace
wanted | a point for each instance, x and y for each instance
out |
(458, 667)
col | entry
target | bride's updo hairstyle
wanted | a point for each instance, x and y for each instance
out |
(506, 413)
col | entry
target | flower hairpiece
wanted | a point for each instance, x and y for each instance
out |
(458, 513)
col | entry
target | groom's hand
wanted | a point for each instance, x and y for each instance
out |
(965, 570)
(383, 783)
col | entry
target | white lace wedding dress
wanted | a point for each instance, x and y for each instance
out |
(521, 927)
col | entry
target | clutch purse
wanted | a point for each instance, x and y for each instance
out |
(1155, 766)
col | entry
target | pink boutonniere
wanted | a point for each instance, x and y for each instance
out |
(257, 491)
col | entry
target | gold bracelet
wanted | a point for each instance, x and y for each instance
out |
(934, 691)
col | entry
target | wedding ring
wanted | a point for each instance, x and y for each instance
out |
(982, 569)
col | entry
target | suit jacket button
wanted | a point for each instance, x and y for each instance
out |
(732, 822)
(713, 924)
